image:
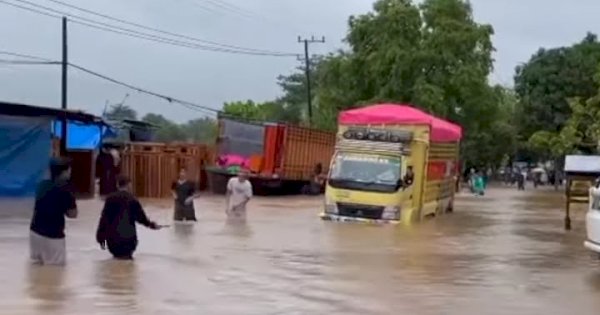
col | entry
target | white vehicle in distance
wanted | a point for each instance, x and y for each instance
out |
(592, 221)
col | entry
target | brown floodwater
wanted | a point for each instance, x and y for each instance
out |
(505, 253)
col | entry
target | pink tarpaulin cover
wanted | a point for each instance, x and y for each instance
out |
(441, 130)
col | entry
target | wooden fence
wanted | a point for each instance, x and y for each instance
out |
(153, 167)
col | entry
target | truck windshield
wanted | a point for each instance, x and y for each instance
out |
(367, 172)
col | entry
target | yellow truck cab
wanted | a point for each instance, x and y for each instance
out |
(392, 164)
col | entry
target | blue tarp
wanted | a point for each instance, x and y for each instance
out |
(81, 136)
(24, 154)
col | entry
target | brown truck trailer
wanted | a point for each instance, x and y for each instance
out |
(281, 158)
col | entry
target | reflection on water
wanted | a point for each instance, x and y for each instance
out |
(505, 253)
(46, 284)
(184, 233)
(118, 281)
(117, 277)
(238, 228)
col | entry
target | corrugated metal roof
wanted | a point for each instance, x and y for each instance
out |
(15, 109)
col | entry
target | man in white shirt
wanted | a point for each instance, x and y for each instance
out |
(239, 192)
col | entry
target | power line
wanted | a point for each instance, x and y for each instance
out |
(27, 62)
(243, 12)
(133, 33)
(203, 7)
(228, 7)
(159, 30)
(146, 36)
(30, 9)
(14, 54)
(189, 105)
(169, 99)
(167, 41)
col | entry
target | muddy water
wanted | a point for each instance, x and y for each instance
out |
(505, 253)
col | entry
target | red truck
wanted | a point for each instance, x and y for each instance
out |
(282, 158)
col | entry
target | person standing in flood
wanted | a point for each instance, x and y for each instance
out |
(239, 192)
(106, 171)
(53, 202)
(471, 180)
(317, 183)
(116, 228)
(479, 184)
(184, 192)
(521, 176)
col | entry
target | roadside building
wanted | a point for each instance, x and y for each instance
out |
(27, 134)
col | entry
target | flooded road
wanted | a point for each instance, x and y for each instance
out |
(505, 253)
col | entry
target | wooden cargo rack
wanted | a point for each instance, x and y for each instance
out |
(178, 148)
(152, 167)
(581, 172)
(303, 149)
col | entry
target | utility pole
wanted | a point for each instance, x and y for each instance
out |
(63, 143)
(306, 42)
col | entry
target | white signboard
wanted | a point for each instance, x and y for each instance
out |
(582, 163)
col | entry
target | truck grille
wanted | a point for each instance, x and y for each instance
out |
(359, 211)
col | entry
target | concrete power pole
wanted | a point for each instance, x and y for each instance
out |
(306, 42)
(65, 64)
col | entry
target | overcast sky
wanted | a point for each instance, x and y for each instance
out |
(211, 78)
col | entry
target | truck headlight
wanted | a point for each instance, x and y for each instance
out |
(330, 206)
(391, 213)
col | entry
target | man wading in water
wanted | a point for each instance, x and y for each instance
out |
(53, 201)
(239, 192)
(184, 192)
(116, 228)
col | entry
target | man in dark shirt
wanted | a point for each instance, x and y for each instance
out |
(116, 228)
(53, 202)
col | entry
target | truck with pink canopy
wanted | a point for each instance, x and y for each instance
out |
(392, 164)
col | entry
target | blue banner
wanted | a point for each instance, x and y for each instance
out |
(82, 136)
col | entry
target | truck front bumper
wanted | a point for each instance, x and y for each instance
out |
(339, 218)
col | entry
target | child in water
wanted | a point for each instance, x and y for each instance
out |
(184, 192)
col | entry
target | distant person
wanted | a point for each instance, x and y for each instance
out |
(521, 176)
(53, 202)
(315, 186)
(479, 184)
(472, 177)
(508, 176)
(107, 171)
(116, 229)
(184, 192)
(409, 177)
(239, 192)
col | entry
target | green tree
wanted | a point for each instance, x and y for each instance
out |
(432, 55)
(270, 111)
(120, 112)
(549, 79)
(201, 130)
(166, 130)
(294, 100)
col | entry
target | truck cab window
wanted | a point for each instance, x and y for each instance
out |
(366, 172)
